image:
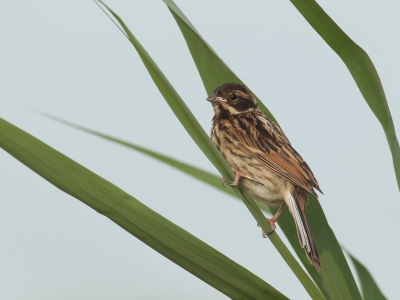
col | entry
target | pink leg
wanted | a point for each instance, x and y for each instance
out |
(237, 178)
(273, 220)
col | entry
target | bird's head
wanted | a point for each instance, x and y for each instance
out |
(232, 99)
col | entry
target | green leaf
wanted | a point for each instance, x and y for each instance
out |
(197, 133)
(369, 288)
(335, 280)
(188, 169)
(151, 228)
(195, 172)
(213, 71)
(360, 66)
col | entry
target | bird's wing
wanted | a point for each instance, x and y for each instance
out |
(269, 145)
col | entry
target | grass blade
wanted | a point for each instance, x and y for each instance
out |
(154, 230)
(369, 288)
(361, 68)
(195, 172)
(204, 176)
(213, 71)
(335, 280)
(197, 133)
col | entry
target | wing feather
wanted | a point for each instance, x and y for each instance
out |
(269, 145)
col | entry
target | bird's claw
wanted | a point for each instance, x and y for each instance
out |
(265, 234)
(273, 227)
(224, 183)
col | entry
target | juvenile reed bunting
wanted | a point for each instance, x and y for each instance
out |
(261, 156)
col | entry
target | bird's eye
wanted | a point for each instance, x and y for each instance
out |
(233, 96)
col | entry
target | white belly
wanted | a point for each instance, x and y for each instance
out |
(264, 193)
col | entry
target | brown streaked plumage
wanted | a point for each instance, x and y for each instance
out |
(263, 159)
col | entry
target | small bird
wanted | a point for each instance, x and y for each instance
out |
(263, 159)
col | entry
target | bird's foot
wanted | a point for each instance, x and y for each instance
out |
(238, 175)
(224, 182)
(272, 221)
(273, 227)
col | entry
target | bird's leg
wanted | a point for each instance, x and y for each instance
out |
(237, 178)
(273, 220)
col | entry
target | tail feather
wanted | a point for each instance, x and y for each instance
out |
(303, 230)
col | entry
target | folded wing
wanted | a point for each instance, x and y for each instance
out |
(270, 146)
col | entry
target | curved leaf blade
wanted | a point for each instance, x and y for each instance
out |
(151, 228)
(361, 68)
(335, 280)
(369, 288)
(213, 71)
(195, 172)
(197, 133)
(188, 169)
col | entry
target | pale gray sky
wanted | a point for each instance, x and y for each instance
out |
(68, 59)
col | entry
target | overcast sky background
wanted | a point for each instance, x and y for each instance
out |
(68, 59)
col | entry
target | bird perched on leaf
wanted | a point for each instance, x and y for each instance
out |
(263, 159)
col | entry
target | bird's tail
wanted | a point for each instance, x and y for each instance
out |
(303, 229)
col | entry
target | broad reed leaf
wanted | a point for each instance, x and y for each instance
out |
(369, 288)
(195, 172)
(202, 140)
(213, 71)
(335, 280)
(151, 228)
(361, 68)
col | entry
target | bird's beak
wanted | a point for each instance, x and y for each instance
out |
(214, 99)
